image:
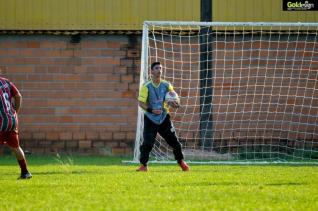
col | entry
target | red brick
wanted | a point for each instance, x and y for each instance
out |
(57, 145)
(8, 44)
(3, 52)
(134, 86)
(21, 44)
(98, 144)
(71, 144)
(29, 143)
(119, 136)
(131, 135)
(127, 78)
(66, 77)
(118, 151)
(44, 143)
(121, 70)
(85, 144)
(41, 69)
(111, 52)
(33, 44)
(52, 136)
(38, 135)
(38, 151)
(128, 151)
(14, 52)
(53, 44)
(112, 144)
(123, 144)
(66, 119)
(106, 135)
(78, 135)
(133, 53)
(129, 94)
(25, 135)
(64, 53)
(106, 77)
(92, 135)
(40, 78)
(65, 135)
(7, 61)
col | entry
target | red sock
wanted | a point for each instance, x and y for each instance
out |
(23, 165)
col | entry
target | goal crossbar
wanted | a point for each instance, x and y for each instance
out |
(232, 24)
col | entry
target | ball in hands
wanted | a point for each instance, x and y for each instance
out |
(172, 99)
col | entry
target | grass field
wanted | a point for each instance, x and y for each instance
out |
(103, 183)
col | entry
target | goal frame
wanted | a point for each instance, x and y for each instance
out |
(144, 77)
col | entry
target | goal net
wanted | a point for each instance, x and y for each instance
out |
(248, 91)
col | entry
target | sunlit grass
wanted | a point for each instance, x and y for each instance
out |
(103, 183)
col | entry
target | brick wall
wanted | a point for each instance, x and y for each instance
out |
(77, 98)
(81, 98)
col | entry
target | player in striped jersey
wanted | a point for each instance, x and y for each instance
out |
(157, 119)
(10, 103)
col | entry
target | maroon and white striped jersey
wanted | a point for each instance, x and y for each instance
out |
(8, 116)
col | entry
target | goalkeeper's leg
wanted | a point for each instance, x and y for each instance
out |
(167, 131)
(149, 133)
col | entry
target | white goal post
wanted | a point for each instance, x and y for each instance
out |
(249, 91)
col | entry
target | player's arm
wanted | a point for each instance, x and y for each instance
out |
(142, 99)
(17, 102)
(143, 105)
(17, 97)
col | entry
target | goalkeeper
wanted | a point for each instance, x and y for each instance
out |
(156, 118)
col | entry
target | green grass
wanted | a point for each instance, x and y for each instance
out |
(104, 183)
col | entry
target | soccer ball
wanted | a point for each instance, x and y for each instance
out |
(172, 96)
